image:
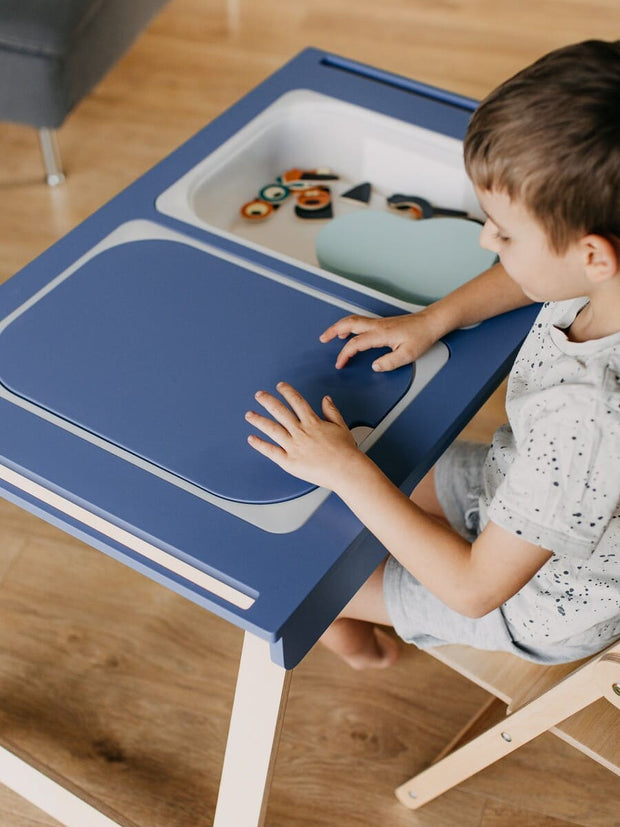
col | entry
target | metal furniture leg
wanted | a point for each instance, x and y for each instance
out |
(52, 162)
(255, 726)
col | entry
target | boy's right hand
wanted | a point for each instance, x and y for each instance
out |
(408, 336)
(486, 295)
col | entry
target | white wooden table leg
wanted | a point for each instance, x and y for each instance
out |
(255, 725)
(50, 796)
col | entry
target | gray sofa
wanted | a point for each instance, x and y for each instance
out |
(53, 52)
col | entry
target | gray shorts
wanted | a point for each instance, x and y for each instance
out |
(417, 615)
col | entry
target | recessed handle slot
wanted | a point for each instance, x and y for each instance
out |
(398, 82)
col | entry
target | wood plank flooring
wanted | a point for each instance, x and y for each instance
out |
(126, 688)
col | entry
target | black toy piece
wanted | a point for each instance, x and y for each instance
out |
(419, 207)
(315, 202)
(445, 211)
(416, 206)
(360, 193)
(324, 212)
(300, 179)
(318, 175)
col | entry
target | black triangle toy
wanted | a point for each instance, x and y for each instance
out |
(360, 193)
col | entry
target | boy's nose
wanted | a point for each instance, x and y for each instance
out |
(488, 239)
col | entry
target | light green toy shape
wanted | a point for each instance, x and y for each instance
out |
(415, 261)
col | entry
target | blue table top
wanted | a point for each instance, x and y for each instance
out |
(298, 581)
(158, 347)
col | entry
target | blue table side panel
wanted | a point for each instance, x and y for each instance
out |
(202, 535)
(124, 555)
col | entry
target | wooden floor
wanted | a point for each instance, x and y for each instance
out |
(126, 688)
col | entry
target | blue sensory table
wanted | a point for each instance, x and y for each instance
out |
(131, 349)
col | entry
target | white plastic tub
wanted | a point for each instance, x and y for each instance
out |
(303, 129)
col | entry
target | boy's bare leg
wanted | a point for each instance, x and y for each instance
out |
(355, 636)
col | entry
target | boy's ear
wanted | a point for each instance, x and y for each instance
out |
(600, 257)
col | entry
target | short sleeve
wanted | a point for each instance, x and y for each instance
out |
(563, 485)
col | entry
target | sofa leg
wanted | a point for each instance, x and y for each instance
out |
(51, 157)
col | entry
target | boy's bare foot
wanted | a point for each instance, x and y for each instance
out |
(382, 651)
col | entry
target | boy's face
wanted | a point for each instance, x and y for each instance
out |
(521, 243)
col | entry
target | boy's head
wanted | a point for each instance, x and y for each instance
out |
(549, 138)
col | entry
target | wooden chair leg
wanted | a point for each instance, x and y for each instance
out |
(489, 714)
(595, 679)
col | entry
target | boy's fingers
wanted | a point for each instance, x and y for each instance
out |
(267, 449)
(268, 426)
(331, 412)
(339, 328)
(365, 341)
(390, 361)
(277, 409)
(344, 327)
(300, 406)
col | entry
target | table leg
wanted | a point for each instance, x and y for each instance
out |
(51, 793)
(255, 725)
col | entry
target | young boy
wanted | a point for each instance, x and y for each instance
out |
(513, 546)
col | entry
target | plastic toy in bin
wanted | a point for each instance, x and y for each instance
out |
(274, 193)
(415, 261)
(313, 197)
(299, 179)
(314, 202)
(359, 194)
(416, 207)
(256, 210)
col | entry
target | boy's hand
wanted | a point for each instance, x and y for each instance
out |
(408, 337)
(313, 449)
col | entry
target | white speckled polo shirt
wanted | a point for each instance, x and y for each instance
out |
(553, 477)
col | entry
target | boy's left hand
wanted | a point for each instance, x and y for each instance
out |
(311, 448)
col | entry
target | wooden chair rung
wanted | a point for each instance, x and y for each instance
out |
(578, 702)
(492, 711)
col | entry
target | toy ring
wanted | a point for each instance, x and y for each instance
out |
(314, 198)
(274, 193)
(256, 210)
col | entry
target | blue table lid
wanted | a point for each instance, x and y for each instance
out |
(158, 347)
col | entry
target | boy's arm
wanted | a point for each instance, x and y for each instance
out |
(489, 294)
(472, 579)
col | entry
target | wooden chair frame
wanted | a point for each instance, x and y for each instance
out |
(579, 702)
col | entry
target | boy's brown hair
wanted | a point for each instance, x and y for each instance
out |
(549, 137)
